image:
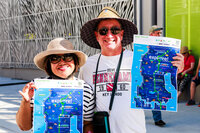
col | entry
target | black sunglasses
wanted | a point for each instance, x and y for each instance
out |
(114, 30)
(54, 59)
(159, 33)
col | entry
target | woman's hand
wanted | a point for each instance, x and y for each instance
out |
(195, 77)
(28, 91)
(88, 127)
(178, 62)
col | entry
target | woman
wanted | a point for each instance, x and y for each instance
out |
(59, 61)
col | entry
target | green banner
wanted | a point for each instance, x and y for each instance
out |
(183, 22)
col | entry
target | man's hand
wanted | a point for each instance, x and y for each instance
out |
(178, 62)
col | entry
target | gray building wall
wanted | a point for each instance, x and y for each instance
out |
(26, 27)
(149, 12)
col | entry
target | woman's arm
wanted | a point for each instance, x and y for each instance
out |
(24, 114)
(89, 105)
(88, 127)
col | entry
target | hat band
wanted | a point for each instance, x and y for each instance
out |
(109, 10)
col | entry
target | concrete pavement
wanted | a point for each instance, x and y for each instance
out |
(186, 120)
(9, 104)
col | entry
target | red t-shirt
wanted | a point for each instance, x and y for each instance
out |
(187, 62)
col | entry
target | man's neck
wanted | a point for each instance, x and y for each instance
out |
(113, 52)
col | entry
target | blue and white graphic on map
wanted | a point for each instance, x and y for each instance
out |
(153, 76)
(58, 106)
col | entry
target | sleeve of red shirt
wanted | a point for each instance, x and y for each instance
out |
(192, 59)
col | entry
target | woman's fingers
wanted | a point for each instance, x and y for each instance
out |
(29, 86)
(28, 91)
(32, 85)
(25, 96)
(21, 93)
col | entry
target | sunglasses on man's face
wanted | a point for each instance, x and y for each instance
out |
(114, 30)
(54, 59)
(157, 33)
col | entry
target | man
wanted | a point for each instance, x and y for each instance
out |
(110, 33)
(156, 31)
(186, 75)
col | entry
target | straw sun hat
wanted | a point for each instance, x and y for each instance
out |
(184, 49)
(87, 31)
(58, 46)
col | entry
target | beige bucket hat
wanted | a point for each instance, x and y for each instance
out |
(87, 30)
(58, 46)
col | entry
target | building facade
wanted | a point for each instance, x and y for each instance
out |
(26, 27)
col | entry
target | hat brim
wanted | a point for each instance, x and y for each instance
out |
(88, 35)
(157, 29)
(40, 58)
(186, 51)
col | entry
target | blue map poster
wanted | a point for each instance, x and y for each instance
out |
(58, 106)
(154, 80)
